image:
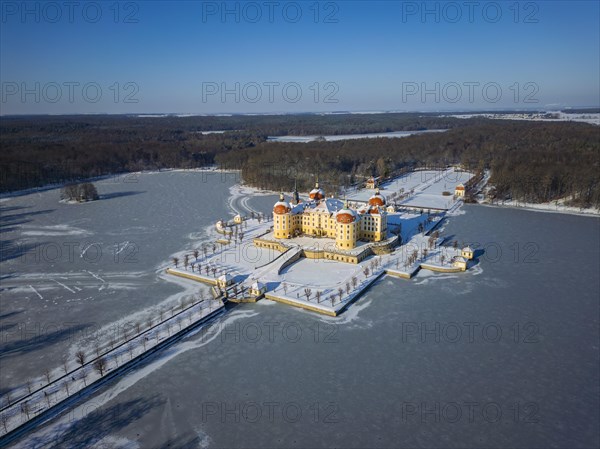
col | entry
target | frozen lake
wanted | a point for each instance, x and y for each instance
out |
(504, 355)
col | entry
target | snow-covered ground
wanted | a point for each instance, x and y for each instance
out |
(392, 134)
(426, 186)
(41, 394)
(546, 207)
(557, 116)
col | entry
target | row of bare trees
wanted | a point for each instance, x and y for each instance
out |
(100, 364)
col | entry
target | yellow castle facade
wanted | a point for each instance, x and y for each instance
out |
(330, 217)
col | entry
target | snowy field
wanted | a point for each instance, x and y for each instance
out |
(392, 134)
(427, 187)
(592, 118)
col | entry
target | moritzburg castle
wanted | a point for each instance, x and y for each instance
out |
(329, 217)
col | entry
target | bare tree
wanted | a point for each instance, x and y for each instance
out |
(65, 363)
(84, 376)
(307, 292)
(186, 261)
(340, 292)
(130, 350)
(66, 385)
(4, 419)
(318, 296)
(354, 281)
(47, 374)
(196, 254)
(348, 288)
(29, 385)
(366, 272)
(285, 287)
(176, 261)
(100, 366)
(47, 396)
(25, 409)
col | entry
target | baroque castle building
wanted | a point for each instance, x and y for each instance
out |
(330, 217)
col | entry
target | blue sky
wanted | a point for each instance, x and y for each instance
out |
(194, 57)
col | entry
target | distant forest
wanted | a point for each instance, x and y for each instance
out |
(530, 161)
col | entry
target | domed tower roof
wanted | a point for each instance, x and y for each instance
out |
(346, 215)
(377, 200)
(316, 193)
(281, 206)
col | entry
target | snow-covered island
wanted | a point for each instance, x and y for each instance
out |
(321, 253)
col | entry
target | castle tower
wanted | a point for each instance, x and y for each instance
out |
(317, 194)
(282, 219)
(347, 228)
(295, 195)
(378, 199)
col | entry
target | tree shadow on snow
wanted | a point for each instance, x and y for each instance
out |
(109, 196)
(38, 341)
(96, 425)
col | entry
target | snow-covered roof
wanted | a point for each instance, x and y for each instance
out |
(467, 249)
(378, 199)
(460, 259)
(351, 212)
(224, 277)
(281, 207)
(329, 206)
(257, 286)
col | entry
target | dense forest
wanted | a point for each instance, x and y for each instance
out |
(529, 161)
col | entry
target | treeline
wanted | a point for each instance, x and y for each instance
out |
(530, 161)
(48, 149)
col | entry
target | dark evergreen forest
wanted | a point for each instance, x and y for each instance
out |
(529, 161)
